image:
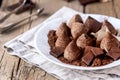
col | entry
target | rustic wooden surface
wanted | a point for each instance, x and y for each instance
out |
(13, 68)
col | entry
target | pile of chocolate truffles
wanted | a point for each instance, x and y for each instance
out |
(91, 43)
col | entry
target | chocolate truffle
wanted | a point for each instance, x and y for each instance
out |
(108, 42)
(72, 52)
(62, 42)
(75, 18)
(77, 29)
(63, 29)
(52, 38)
(83, 41)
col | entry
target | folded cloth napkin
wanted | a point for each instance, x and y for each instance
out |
(23, 47)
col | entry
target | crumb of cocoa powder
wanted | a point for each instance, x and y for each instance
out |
(96, 62)
(61, 58)
(107, 61)
(76, 63)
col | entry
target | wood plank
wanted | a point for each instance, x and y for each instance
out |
(9, 64)
(116, 5)
(8, 67)
(100, 8)
(51, 6)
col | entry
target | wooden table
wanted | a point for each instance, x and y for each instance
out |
(14, 68)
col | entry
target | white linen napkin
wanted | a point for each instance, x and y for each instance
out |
(23, 47)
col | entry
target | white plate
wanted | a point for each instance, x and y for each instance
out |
(41, 40)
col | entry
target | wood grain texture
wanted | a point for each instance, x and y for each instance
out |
(13, 68)
(116, 4)
(9, 64)
(101, 8)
